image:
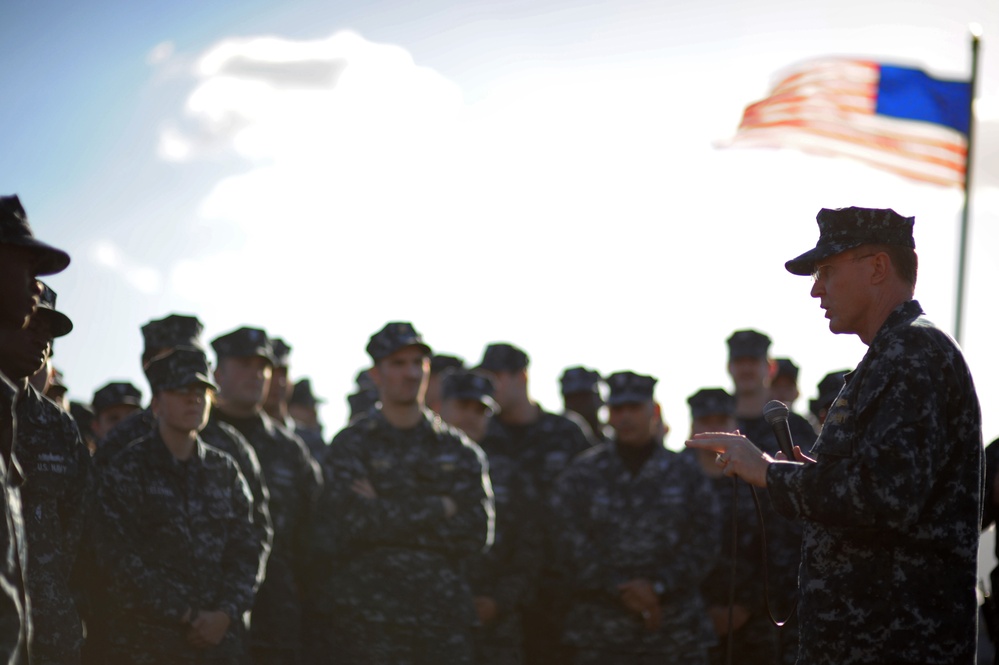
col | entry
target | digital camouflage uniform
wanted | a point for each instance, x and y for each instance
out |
(56, 467)
(536, 454)
(660, 525)
(398, 567)
(175, 536)
(508, 571)
(14, 623)
(15, 620)
(293, 482)
(755, 642)
(891, 510)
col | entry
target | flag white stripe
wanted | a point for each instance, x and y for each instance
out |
(829, 107)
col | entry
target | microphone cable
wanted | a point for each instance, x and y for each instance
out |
(733, 570)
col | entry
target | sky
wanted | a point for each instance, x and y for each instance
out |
(543, 173)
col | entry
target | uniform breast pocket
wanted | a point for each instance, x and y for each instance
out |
(838, 435)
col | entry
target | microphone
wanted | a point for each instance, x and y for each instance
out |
(776, 413)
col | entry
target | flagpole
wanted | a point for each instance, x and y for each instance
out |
(961, 269)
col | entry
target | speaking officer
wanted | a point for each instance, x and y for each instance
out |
(635, 534)
(891, 503)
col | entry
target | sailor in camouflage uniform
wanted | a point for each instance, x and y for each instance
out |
(503, 578)
(293, 481)
(752, 371)
(177, 537)
(112, 403)
(279, 397)
(525, 440)
(22, 258)
(161, 336)
(303, 407)
(891, 504)
(56, 467)
(582, 400)
(407, 499)
(734, 586)
(637, 533)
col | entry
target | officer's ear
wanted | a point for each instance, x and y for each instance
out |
(881, 268)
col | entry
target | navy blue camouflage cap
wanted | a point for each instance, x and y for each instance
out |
(59, 323)
(711, 402)
(503, 357)
(576, 380)
(364, 381)
(629, 388)
(463, 384)
(441, 362)
(244, 343)
(114, 393)
(281, 351)
(15, 230)
(394, 336)
(786, 367)
(302, 394)
(179, 368)
(829, 388)
(748, 344)
(171, 332)
(361, 402)
(82, 414)
(841, 229)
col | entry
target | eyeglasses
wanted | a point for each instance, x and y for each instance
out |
(822, 271)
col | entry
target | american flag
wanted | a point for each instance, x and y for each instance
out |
(894, 118)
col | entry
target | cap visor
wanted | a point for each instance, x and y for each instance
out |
(48, 259)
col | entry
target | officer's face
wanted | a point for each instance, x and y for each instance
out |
(307, 415)
(183, 410)
(24, 350)
(842, 285)
(243, 380)
(401, 377)
(749, 373)
(634, 423)
(109, 417)
(278, 390)
(508, 387)
(19, 291)
(784, 389)
(469, 415)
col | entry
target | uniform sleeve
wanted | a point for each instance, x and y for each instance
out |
(73, 504)
(880, 469)
(382, 520)
(249, 467)
(470, 529)
(701, 540)
(117, 528)
(244, 560)
(991, 469)
(581, 552)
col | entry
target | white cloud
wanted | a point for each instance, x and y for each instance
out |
(160, 53)
(578, 199)
(108, 255)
